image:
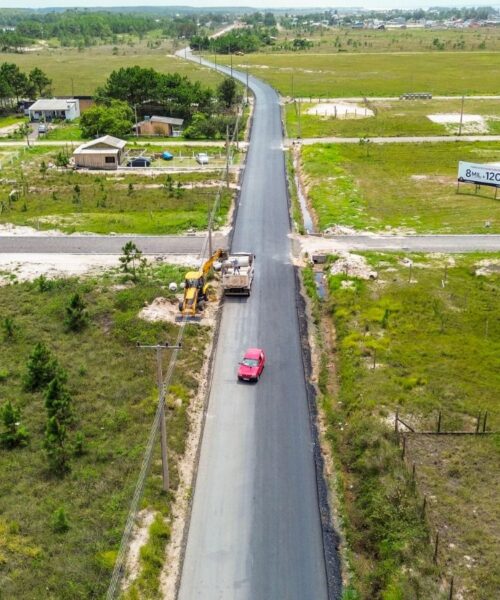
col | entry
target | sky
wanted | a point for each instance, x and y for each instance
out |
(261, 4)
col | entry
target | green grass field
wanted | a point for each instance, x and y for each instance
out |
(381, 187)
(349, 40)
(11, 120)
(80, 73)
(100, 203)
(344, 75)
(112, 384)
(413, 344)
(391, 118)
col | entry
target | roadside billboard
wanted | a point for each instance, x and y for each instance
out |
(479, 174)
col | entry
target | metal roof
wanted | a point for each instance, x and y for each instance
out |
(108, 140)
(167, 120)
(52, 104)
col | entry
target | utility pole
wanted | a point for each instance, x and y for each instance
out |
(72, 88)
(161, 397)
(227, 156)
(215, 61)
(461, 116)
(299, 128)
(231, 54)
(136, 128)
(293, 96)
(246, 103)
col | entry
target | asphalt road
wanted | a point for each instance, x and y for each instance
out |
(172, 244)
(95, 244)
(255, 528)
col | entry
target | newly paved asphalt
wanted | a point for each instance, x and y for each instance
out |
(105, 244)
(255, 529)
(181, 244)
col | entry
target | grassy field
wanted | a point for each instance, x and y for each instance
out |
(399, 345)
(112, 385)
(74, 201)
(398, 186)
(349, 40)
(391, 118)
(79, 73)
(11, 120)
(344, 75)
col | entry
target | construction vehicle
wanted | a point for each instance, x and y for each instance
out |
(196, 288)
(237, 274)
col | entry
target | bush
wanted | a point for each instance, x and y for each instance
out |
(60, 521)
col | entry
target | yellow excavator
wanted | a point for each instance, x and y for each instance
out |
(196, 288)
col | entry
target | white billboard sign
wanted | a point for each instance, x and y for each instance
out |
(478, 174)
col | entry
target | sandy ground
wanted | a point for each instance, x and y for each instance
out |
(164, 309)
(340, 110)
(26, 267)
(353, 265)
(470, 123)
(488, 267)
(140, 535)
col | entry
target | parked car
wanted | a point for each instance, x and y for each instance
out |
(202, 158)
(167, 155)
(139, 161)
(252, 365)
(43, 128)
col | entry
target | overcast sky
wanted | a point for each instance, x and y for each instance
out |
(261, 4)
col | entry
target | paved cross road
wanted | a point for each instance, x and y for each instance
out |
(255, 529)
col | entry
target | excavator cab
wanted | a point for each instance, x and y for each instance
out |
(196, 289)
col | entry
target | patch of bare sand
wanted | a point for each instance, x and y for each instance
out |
(353, 265)
(140, 535)
(487, 267)
(340, 110)
(166, 309)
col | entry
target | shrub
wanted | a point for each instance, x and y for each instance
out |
(60, 521)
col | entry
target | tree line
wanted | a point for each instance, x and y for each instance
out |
(130, 90)
(15, 84)
(245, 40)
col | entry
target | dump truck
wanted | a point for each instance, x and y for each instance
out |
(237, 274)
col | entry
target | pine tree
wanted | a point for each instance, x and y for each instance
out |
(55, 446)
(132, 261)
(41, 368)
(58, 400)
(76, 315)
(13, 434)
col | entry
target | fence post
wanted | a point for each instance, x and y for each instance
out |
(439, 423)
(404, 447)
(436, 546)
(424, 505)
(396, 424)
(478, 422)
(484, 421)
(413, 472)
(450, 597)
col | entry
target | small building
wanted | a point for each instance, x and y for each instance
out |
(105, 152)
(48, 109)
(164, 126)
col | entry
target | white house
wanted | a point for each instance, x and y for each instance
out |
(48, 109)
